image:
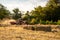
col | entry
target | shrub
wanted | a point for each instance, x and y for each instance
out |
(33, 21)
(58, 23)
(55, 23)
(42, 22)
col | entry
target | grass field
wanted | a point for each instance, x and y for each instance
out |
(18, 33)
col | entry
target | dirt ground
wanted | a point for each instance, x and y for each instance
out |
(18, 33)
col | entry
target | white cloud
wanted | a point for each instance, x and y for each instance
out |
(22, 4)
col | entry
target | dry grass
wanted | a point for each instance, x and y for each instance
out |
(18, 33)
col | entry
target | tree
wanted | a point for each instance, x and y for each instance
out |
(3, 12)
(54, 9)
(52, 3)
(26, 17)
(38, 13)
(17, 13)
(49, 13)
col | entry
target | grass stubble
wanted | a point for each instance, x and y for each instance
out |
(18, 33)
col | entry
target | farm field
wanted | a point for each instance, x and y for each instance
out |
(14, 32)
(29, 19)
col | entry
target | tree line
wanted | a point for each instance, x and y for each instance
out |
(50, 14)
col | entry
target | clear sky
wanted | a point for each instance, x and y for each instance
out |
(22, 4)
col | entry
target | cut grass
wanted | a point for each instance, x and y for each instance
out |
(18, 33)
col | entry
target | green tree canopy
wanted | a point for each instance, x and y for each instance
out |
(53, 9)
(3, 12)
(17, 13)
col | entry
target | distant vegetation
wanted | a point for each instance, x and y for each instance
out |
(50, 14)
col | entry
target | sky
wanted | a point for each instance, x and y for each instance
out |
(23, 5)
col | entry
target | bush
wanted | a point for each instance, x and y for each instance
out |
(42, 22)
(58, 23)
(55, 23)
(49, 22)
(33, 21)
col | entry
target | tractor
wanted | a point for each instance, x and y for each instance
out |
(18, 22)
